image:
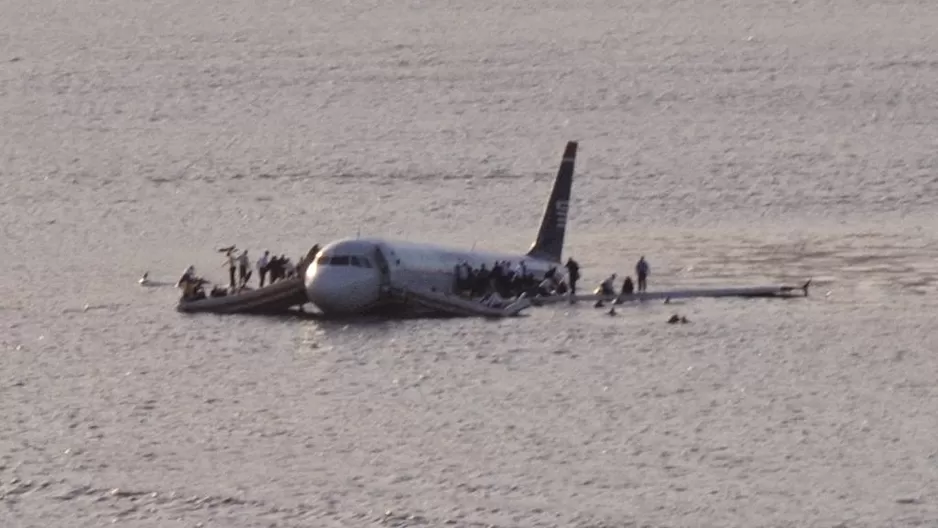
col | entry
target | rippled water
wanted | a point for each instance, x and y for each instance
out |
(730, 144)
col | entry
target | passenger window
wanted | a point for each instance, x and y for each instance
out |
(354, 261)
(340, 261)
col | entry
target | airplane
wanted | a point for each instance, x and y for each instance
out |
(371, 275)
(365, 276)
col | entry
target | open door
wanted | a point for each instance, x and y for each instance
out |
(383, 269)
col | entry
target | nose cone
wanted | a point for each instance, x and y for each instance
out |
(342, 290)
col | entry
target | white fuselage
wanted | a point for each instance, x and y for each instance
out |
(351, 276)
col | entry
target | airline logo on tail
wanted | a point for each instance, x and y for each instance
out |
(560, 213)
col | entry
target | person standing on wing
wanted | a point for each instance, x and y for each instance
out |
(628, 287)
(642, 269)
(573, 274)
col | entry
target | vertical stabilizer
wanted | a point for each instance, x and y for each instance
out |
(549, 242)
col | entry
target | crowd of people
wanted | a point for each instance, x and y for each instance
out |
(506, 280)
(270, 269)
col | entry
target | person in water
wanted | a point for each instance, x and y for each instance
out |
(642, 270)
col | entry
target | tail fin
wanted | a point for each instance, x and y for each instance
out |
(549, 242)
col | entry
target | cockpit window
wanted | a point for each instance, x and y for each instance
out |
(343, 260)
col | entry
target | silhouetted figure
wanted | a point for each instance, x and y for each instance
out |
(628, 287)
(608, 286)
(244, 268)
(262, 267)
(573, 272)
(641, 270)
(274, 268)
(232, 263)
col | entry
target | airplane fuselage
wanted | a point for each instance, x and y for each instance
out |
(353, 276)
